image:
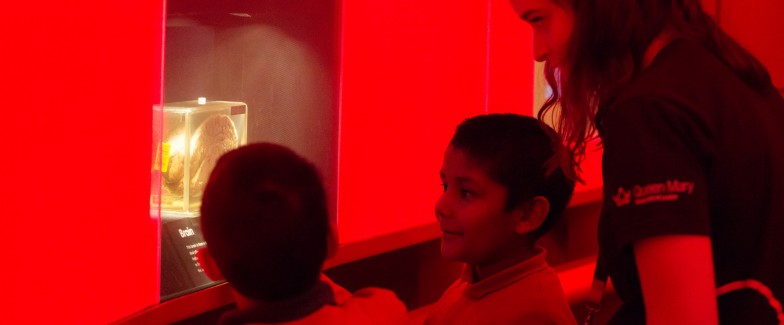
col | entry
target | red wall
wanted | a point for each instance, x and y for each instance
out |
(510, 82)
(412, 70)
(759, 26)
(80, 79)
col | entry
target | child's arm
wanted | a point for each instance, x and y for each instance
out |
(341, 294)
(677, 279)
(368, 305)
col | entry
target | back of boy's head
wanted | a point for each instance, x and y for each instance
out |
(265, 220)
(522, 154)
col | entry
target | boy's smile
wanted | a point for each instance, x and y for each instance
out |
(475, 227)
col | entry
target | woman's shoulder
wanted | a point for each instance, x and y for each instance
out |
(684, 81)
(687, 74)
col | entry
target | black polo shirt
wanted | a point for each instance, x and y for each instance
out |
(690, 149)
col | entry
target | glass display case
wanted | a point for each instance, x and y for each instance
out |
(196, 134)
(238, 72)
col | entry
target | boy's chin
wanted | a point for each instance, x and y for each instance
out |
(452, 253)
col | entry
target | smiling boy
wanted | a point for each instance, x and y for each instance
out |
(505, 182)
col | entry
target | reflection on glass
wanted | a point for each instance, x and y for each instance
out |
(195, 136)
(266, 71)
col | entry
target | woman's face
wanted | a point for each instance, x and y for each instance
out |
(552, 24)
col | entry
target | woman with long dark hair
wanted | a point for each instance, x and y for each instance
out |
(692, 226)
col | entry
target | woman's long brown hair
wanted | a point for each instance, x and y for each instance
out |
(607, 46)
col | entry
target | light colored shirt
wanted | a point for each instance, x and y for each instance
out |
(365, 306)
(527, 293)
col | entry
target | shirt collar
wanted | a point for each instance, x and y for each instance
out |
(283, 311)
(504, 278)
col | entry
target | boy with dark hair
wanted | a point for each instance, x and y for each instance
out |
(506, 178)
(264, 217)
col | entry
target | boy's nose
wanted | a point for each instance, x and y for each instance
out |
(441, 207)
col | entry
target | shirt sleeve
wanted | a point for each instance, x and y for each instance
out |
(654, 169)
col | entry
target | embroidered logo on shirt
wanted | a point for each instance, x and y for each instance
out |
(623, 197)
(670, 190)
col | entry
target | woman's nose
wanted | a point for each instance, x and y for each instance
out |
(541, 50)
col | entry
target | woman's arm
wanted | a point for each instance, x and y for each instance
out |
(677, 279)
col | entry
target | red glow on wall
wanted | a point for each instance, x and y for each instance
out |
(80, 246)
(412, 71)
(758, 26)
(511, 64)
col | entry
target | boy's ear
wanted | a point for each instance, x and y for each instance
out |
(332, 240)
(534, 212)
(207, 264)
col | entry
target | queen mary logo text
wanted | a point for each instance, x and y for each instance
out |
(670, 190)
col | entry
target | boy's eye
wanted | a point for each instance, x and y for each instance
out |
(464, 193)
(536, 20)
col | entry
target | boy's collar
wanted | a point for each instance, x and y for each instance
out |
(500, 280)
(283, 311)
